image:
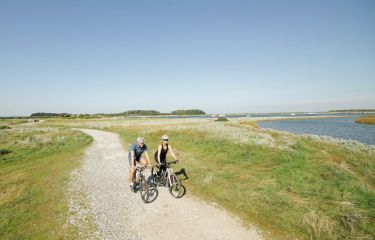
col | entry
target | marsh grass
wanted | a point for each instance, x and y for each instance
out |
(289, 185)
(251, 124)
(366, 120)
(33, 181)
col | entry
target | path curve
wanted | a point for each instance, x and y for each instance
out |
(120, 214)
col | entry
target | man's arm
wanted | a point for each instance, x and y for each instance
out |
(132, 158)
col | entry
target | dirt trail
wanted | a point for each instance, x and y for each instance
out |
(120, 214)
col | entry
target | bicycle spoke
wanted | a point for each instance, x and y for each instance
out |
(144, 190)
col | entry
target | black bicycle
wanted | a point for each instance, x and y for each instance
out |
(164, 176)
(141, 184)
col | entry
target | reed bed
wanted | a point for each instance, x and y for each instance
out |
(366, 120)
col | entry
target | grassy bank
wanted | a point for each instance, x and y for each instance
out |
(285, 184)
(366, 120)
(34, 171)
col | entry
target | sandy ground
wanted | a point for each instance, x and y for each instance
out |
(119, 213)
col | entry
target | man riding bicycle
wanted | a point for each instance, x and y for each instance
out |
(135, 155)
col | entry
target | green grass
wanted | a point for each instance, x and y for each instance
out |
(34, 174)
(305, 189)
(14, 121)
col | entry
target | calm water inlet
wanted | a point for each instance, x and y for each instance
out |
(344, 128)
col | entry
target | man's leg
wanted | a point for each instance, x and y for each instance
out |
(144, 165)
(131, 176)
(143, 162)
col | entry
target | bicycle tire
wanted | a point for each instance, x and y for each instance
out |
(175, 188)
(143, 189)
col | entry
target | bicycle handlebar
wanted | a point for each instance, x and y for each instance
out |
(174, 162)
(140, 168)
(167, 164)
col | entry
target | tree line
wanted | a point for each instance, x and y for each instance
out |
(126, 114)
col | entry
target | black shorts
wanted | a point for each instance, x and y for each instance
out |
(130, 162)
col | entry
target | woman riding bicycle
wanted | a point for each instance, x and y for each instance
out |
(160, 155)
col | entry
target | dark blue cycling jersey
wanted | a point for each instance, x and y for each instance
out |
(137, 151)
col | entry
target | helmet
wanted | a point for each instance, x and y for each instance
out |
(164, 137)
(141, 139)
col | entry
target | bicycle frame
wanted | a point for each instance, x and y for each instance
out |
(166, 173)
(142, 183)
(169, 179)
(169, 173)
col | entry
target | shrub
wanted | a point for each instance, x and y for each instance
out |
(4, 151)
(222, 119)
(4, 127)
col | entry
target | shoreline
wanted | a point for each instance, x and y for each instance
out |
(327, 137)
(287, 118)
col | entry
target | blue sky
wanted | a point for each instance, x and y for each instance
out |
(232, 56)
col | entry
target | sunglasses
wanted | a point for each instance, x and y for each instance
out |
(165, 140)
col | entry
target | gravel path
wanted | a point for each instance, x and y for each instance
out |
(120, 214)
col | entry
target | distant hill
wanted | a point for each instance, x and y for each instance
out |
(188, 112)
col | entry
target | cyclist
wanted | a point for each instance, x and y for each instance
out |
(160, 155)
(135, 155)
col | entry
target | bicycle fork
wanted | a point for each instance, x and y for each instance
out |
(169, 178)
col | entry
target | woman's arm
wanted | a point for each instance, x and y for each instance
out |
(159, 151)
(172, 153)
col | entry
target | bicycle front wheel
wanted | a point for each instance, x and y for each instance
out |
(175, 187)
(143, 190)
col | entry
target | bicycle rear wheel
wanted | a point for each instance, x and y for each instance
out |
(175, 188)
(143, 189)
